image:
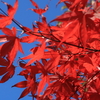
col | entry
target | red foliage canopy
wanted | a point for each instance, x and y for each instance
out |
(66, 59)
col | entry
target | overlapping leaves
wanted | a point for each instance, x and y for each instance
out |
(65, 62)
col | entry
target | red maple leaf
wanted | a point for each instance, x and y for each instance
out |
(37, 54)
(6, 71)
(6, 20)
(30, 86)
(38, 10)
(11, 47)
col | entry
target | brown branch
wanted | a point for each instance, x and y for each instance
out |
(56, 40)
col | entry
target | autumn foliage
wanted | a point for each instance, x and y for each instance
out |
(65, 63)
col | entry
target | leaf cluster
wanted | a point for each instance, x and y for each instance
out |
(67, 57)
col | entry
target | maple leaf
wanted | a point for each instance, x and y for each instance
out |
(33, 70)
(59, 86)
(6, 20)
(43, 27)
(85, 21)
(7, 71)
(38, 10)
(30, 86)
(68, 30)
(37, 55)
(11, 47)
(49, 66)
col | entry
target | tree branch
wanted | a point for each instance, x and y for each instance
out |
(56, 40)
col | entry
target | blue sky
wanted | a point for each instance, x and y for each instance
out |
(26, 17)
